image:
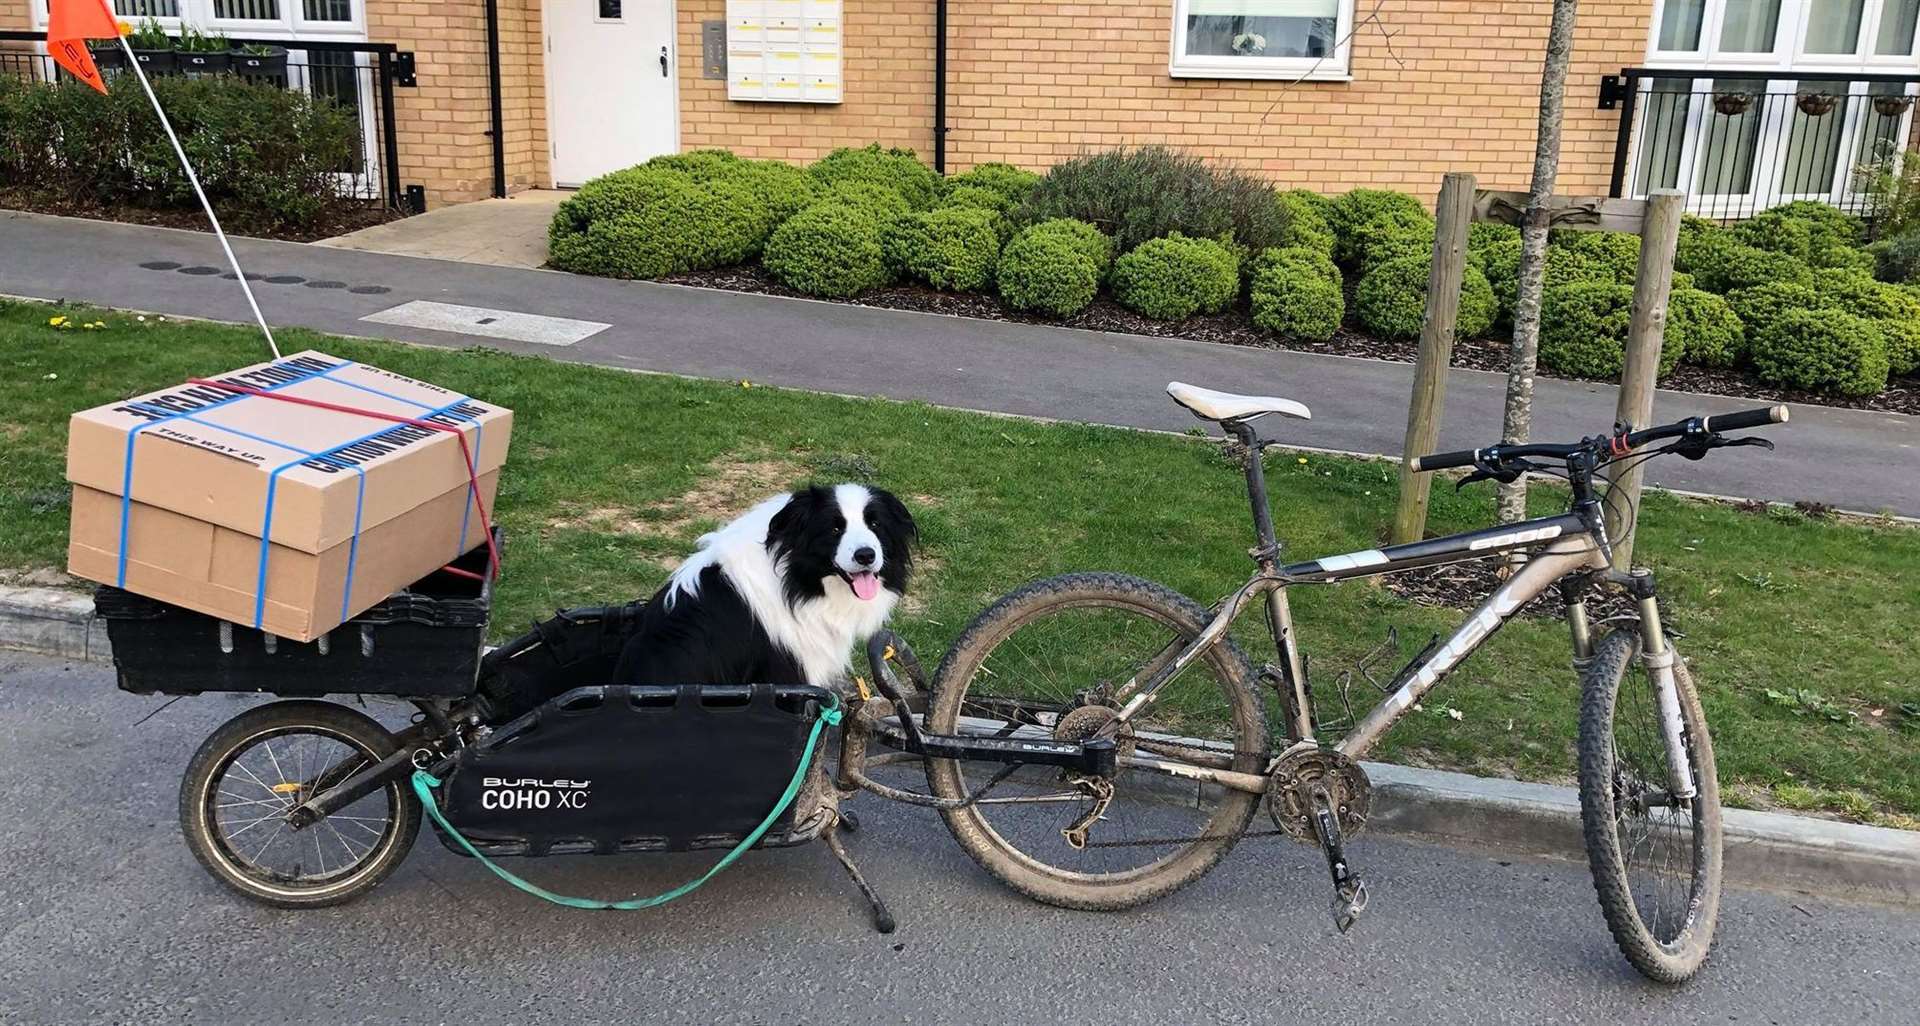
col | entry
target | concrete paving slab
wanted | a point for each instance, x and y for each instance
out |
(509, 232)
(489, 323)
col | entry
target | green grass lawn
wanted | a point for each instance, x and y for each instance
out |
(1802, 632)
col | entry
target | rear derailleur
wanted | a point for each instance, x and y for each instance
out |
(1319, 796)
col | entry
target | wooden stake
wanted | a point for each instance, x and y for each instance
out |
(1452, 214)
(1659, 234)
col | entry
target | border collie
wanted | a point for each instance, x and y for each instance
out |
(779, 595)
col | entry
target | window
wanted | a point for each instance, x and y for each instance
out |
(269, 19)
(1829, 34)
(1277, 39)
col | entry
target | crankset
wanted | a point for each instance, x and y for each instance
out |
(1320, 796)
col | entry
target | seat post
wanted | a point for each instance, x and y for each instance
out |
(1269, 548)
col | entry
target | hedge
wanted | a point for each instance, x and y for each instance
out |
(1895, 311)
(1364, 218)
(882, 202)
(949, 248)
(1392, 299)
(646, 222)
(1049, 270)
(1500, 262)
(1606, 256)
(1297, 293)
(1175, 277)
(829, 249)
(1707, 330)
(270, 159)
(1734, 266)
(1821, 350)
(1583, 331)
(896, 169)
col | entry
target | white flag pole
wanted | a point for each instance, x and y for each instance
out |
(232, 261)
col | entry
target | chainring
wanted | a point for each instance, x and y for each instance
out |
(1084, 722)
(1297, 774)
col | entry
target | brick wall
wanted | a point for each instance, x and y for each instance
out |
(1033, 83)
(441, 123)
(14, 16)
(888, 64)
(523, 94)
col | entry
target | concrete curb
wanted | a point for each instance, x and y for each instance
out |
(1763, 849)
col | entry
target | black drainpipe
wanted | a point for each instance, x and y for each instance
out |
(493, 92)
(939, 85)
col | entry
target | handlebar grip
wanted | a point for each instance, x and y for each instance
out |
(1445, 460)
(1746, 419)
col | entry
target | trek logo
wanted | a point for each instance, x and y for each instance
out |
(531, 793)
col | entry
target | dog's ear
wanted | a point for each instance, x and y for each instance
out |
(793, 516)
(896, 511)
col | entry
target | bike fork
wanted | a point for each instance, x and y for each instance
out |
(1658, 658)
(1349, 891)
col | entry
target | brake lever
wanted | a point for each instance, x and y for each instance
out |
(1503, 472)
(1694, 447)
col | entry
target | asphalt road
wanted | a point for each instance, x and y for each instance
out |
(105, 917)
(1853, 459)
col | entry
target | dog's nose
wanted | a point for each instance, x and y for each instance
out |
(864, 555)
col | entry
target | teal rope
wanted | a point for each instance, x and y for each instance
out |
(424, 783)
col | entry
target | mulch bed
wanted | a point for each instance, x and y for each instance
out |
(1466, 585)
(1233, 328)
(347, 217)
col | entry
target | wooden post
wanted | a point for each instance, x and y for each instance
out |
(1659, 233)
(1452, 214)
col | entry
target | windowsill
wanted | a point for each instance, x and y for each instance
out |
(1302, 74)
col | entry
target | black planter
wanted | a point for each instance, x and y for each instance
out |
(203, 62)
(272, 64)
(155, 62)
(107, 58)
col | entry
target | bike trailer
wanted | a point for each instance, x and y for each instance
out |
(423, 641)
(621, 768)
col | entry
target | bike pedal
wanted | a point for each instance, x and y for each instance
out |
(1347, 907)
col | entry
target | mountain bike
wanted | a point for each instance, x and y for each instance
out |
(1087, 657)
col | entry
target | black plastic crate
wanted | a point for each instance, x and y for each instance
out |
(423, 641)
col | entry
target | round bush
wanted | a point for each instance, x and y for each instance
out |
(1364, 217)
(699, 164)
(1894, 310)
(1776, 233)
(1011, 183)
(1392, 299)
(1500, 262)
(1735, 266)
(828, 249)
(1296, 293)
(648, 222)
(1707, 330)
(1840, 257)
(1822, 351)
(1090, 241)
(785, 189)
(896, 169)
(882, 203)
(977, 197)
(1396, 244)
(1481, 234)
(1173, 278)
(1683, 280)
(1583, 331)
(1608, 256)
(1047, 271)
(1307, 223)
(1825, 223)
(949, 248)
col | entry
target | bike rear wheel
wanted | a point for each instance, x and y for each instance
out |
(1655, 859)
(1045, 661)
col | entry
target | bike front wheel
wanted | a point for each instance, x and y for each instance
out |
(1053, 660)
(1655, 858)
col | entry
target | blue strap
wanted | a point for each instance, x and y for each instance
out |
(273, 488)
(126, 472)
(424, 783)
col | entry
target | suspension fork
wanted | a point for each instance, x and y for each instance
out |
(1658, 657)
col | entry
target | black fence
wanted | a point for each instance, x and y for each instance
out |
(1737, 143)
(357, 77)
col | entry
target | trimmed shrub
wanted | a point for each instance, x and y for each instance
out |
(1708, 332)
(883, 203)
(1396, 243)
(1139, 194)
(1820, 350)
(1608, 256)
(646, 222)
(829, 249)
(1392, 299)
(1481, 234)
(1583, 331)
(1894, 310)
(977, 197)
(1733, 266)
(1011, 183)
(950, 248)
(1048, 270)
(1500, 262)
(785, 189)
(1825, 223)
(1173, 278)
(896, 169)
(1307, 223)
(1897, 259)
(1297, 293)
(1776, 233)
(1085, 238)
(700, 165)
(1841, 257)
(1364, 218)
(1763, 304)
(1683, 280)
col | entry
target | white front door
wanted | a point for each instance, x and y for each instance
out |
(611, 98)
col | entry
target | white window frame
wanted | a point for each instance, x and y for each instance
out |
(291, 25)
(1789, 43)
(1334, 67)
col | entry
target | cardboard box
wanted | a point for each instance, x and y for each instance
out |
(198, 496)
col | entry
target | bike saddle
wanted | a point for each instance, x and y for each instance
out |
(1208, 404)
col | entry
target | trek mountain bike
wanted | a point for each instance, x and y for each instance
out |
(1087, 657)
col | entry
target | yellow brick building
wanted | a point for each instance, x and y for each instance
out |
(1326, 94)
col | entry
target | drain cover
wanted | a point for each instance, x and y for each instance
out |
(161, 265)
(199, 270)
(284, 279)
(326, 284)
(369, 290)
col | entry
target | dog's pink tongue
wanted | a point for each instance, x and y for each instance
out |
(865, 585)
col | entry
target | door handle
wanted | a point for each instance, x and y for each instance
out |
(663, 62)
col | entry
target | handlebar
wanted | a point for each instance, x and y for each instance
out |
(1606, 446)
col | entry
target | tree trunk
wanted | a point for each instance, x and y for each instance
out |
(1533, 250)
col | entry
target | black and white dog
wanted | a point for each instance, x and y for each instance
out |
(780, 595)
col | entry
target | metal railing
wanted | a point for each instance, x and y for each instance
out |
(1739, 142)
(359, 78)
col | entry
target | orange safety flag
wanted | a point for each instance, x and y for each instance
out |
(70, 23)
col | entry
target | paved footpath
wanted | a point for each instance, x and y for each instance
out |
(1852, 459)
(105, 917)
